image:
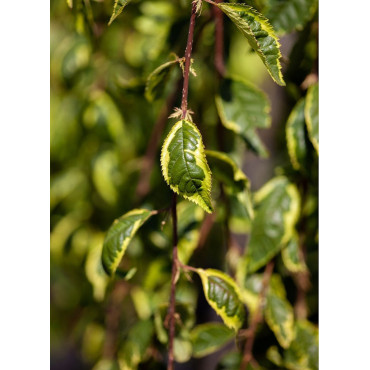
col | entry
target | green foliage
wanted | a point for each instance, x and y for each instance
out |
(119, 236)
(243, 108)
(208, 338)
(112, 90)
(184, 164)
(224, 297)
(311, 113)
(277, 209)
(260, 35)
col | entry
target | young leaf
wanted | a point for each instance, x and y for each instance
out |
(208, 338)
(290, 15)
(276, 214)
(226, 170)
(260, 35)
(119, 236)
(290, 255)
(156, 81)
(224, 297)
(311, 113)
(184, 164)
(295, 135)
(279, 316)
(117, 9)
(242, 109)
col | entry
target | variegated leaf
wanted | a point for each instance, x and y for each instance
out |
(242, 109)
(279, 313)
(311, 112)
(226, 170)
(290, 15)
(184, 164)
(224, 297)
(117, 9)
(291, 257)
(260, 35)
(295, 135)
(276, 213)
(120, 235)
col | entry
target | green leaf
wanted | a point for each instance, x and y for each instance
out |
(276, 213)
(119, 236)
(242, 109)
(182, 350)
(260, 35)
(224, 296)
(70, 3)
(156, 81)
(290, 15)
(208, 338)
(226, 170)
(279, 314)
(184, 164)
(134, 349)
(303, 353)
(117, 9)
(311, 113)
(295, 135)
(291, 257)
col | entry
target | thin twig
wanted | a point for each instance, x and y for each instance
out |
(189, 46)
(175, 270)
(257, 318)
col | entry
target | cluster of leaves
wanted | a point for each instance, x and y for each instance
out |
(110, 290)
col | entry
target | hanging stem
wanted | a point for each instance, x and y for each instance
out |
(189, 46)
(257, 318)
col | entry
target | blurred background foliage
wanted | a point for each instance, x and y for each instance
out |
(101, 122)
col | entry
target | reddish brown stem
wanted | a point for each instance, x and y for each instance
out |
(257, 318)
(175, 270)
(189, 46)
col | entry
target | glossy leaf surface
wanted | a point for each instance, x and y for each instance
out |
(311, 113)
(184, 164)
(119, 236)
(224, 297)
(242, 109)
(277, 208)
(260, 35)
(295, 135)
(208, 338)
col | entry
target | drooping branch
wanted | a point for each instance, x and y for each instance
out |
(257, 318)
